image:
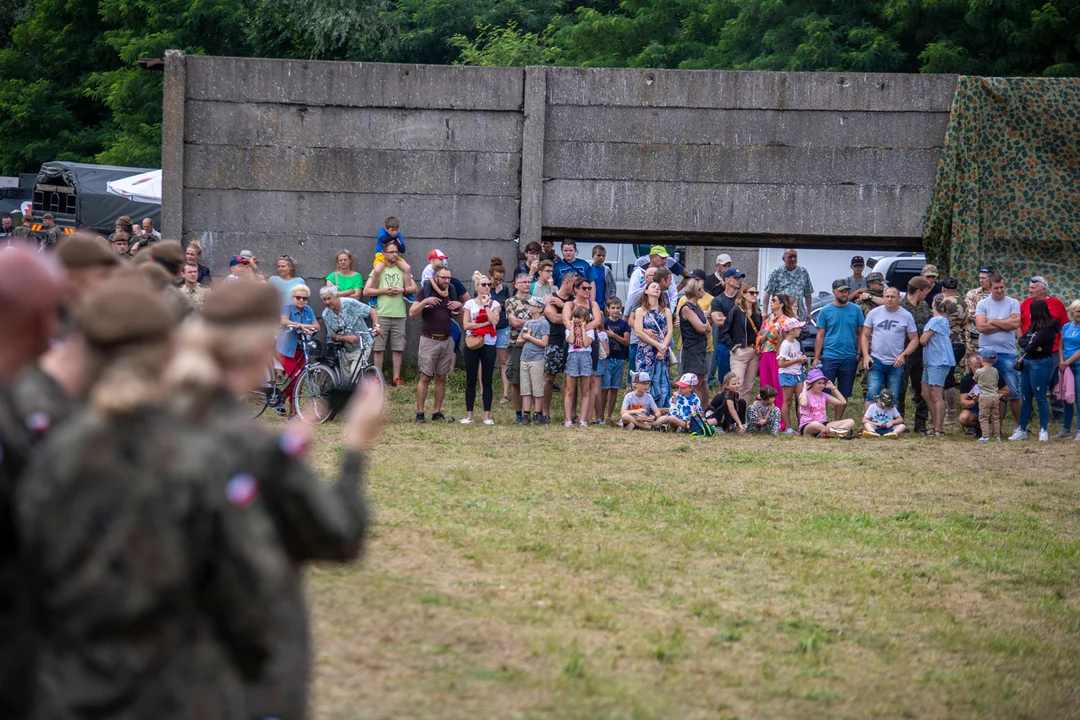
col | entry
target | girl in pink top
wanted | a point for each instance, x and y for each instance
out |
(812, 403)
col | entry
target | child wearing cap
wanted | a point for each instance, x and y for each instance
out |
(813, 401)
(791, 360)
(987, 378)
(534, 339)
(684, 403)
(763, 416)
(727, 410)
(639, 410)
(882, 419)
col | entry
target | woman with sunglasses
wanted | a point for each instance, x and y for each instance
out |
(345, 278)
(286, 279)
(480, 316)
(742, 326)
(296, 317)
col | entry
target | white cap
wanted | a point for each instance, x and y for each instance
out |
(688, 380)
(723, 259)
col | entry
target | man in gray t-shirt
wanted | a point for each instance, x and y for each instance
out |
(887, 338)
(997, 318)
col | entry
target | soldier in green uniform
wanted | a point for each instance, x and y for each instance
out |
(956, 311)
(150, 559)
(25, 232)
(314, 520)
(971, 301)
(50, 233)
(30, 292)
(915, 304)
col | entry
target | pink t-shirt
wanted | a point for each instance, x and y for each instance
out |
(815, 408)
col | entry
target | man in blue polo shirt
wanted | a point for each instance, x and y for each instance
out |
(836, 348)
(570, 263)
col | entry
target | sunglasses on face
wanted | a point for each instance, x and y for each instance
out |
(483, 284)
(301, 297)
(751, 292)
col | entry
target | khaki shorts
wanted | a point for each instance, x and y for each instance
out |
(532, 378)
(393, 332)
(436, 356)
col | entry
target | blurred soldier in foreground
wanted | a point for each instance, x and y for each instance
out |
(149, 558)
(223, 357)
(30, 293)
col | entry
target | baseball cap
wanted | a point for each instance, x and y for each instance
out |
(886, 397)
(875, 277)
(840, 284)
(987, 353)
(950, 283)
(641, 377)
(929, 270)
(239, 260)
(247, 254)
(733, 272)
(986, 269)
(536, 301)
(791, 324)
(723, 259)
(814, 376)
(687, 380)
(858, 260)
(700, 274)
(437, 254)
(658, 250)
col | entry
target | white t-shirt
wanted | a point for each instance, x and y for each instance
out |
(879, 415)
(890, 332)
(789, 350)
(473, 309)
(1003, 342)
(574, 348)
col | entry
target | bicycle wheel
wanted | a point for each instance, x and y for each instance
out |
(372, 372)
(311, 396)
(255, 402)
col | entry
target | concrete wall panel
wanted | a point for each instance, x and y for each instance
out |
(276, 125)
(352, 171)
(742, 128)
(356, 85)
(751, 90)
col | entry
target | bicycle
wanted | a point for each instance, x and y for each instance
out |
(339, 386)
(310, 397)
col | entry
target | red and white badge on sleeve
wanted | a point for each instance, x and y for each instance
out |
(241, 490)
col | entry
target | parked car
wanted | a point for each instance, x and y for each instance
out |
(898, 269)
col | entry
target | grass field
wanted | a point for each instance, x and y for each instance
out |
(556, 573)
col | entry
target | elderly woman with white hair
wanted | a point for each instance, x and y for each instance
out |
(346, 322)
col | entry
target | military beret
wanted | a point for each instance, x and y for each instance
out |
(158, 276)
(143, 256)
(242, 303)
(170, 254)
(85, 251)
(950, 283)
(123, 313)
(919, 283)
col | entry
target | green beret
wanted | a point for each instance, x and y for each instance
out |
(242, 302)
(123, 313)
(82, 252)
(170, 254)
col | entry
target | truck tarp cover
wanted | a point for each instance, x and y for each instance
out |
(98, 208)
(1008, 185)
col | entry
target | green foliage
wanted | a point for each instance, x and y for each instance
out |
(70, 87)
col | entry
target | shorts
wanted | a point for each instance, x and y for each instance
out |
(802, 429)
(532, 378)
(880, 430)
(435, 357)
(393, 332)
(613, 373)
(935, 374)
(513, 365)
(1005, 365)
(555, 359)
(579, 364)
(502, 338)
(789, 380)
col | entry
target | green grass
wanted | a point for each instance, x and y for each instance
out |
(530, 573)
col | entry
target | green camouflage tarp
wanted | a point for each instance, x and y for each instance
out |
(1007, 193)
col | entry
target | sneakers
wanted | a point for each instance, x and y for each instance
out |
(870, 435)
(518, 420)
(983, 440)
(526, 420)
(891, 435)
(397, 382)
(1018, 434)
(568, 423)
(544, 420)
(465, 421)
(791, 431)
(1043, 436)
(582, 423)
(489, 421)
(504, 400)
(439, 417)
(420, 417)
(1063, 435)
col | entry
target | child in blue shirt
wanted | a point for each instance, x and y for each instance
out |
(618, 332)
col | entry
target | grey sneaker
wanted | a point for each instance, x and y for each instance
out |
(1018, 434)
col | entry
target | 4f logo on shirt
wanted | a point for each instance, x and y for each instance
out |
(887, 325)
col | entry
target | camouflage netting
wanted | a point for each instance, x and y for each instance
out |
(1007, 193)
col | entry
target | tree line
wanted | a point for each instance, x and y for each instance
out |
(70, 88)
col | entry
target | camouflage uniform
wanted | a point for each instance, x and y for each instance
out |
(913, 367)
(314, 521)
(971, 337)
(51, 237)
(18, 643)
(24, 233)
(152, 564)
(42, 403)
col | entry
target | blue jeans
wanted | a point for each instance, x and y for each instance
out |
(1006, 367)
(841, 372)
(1034, 381)
(722, 360)
(883, 374)
(1071, 408)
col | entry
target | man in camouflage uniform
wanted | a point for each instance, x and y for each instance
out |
(869, 299)
(30, 292)
(50, 233)
(971, 301)
(150, 558)
(25, 232)
(956, 312)
(915, 304)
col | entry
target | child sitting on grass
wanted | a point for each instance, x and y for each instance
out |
(684, 403)
(639, 410)
(727, 408)
(763, 416)
(882, 419)
(812, 404)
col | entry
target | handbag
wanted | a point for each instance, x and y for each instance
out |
(1018, 366)
(474, 342)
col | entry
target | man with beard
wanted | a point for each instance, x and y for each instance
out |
(435, 305)
(836, 347)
